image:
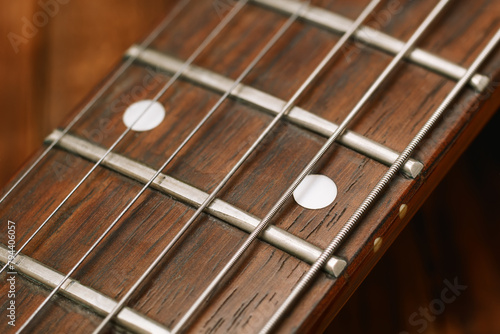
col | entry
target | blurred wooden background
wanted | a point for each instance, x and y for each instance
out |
(56, 66)
(453, 236)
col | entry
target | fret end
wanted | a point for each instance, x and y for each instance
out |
(413, 168)
(133, 52)
(335, 266)
(479, 82)
(55, 136)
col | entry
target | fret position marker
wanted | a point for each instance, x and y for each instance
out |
(150, 119)
(315, 192)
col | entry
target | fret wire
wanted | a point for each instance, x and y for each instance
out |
(307, 279)
(193, 196)
(213, 34)
(271, 104)
(209, 199)
(326, 60)
(165, 22)
(82, 295)
(168, 19)
(375, 38)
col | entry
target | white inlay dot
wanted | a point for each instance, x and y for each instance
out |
(315, 192)
(149, 120)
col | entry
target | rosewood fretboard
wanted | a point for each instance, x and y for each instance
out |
(267, 273)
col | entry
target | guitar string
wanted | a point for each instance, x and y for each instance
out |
(175, 11)
(318, 70)
(287, 194)
(254, 62)
(308, 278)
(181, 70)
(209, 199)
(165, 22)
(212, 35)
(247, 70)
(271, 43)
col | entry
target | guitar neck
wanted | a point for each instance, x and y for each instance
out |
(106, 195)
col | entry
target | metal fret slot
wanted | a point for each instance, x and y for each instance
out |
(369, 36)
(193, 196)
(98, 302)
(274, 105)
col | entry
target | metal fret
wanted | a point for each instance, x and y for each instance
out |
(339, 24)
(190, 195)
(98, 302)
(273, 105)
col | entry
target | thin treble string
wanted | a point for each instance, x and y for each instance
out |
(318, 70)
(177, 9)
(252, 64)
(214, 33)
(168, 19)
(377, 190)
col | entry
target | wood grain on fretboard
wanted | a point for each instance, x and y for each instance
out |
(266, 275)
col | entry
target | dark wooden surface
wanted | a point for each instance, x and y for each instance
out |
(263, 278)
